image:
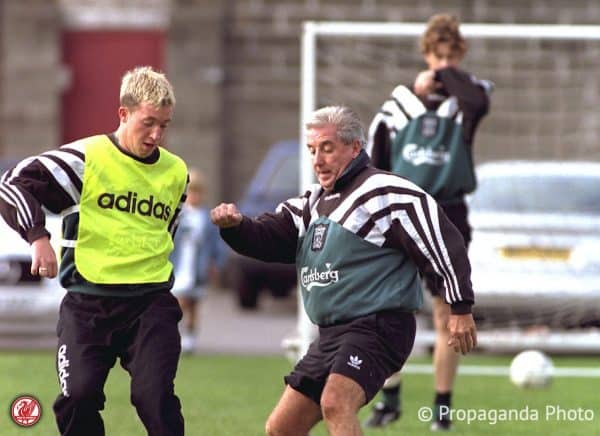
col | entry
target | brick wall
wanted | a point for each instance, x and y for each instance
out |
(195, 63)
(263, 66)
(234, 64)
(30, 86)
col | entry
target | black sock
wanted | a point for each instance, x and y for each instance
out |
(442, 406)
(391, 397)
(443, 399)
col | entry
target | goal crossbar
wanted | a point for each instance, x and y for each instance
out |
(484, 30)
(312, 29)
(311, 32)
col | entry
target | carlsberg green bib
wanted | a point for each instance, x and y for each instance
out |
(342, 276)
(125, 211)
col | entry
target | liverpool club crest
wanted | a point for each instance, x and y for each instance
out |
(319, 235)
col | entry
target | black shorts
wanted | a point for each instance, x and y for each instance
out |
(368, 350)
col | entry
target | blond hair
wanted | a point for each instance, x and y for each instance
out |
(443, 28)
(144, 84)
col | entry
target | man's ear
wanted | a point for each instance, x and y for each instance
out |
(123, 114)
(356, 147)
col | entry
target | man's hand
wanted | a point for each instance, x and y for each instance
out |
(425, 83)
(43, 258)
(226, 215)
(463, 333)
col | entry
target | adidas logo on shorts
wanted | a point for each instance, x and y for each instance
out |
(354, 362)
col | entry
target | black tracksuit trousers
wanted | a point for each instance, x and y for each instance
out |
(142, 332)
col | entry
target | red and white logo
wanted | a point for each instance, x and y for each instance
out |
(26, 411)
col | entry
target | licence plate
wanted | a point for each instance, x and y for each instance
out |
(540, 253)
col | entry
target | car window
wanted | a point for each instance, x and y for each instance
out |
(7, 164)
(284, 176)
(538, 194)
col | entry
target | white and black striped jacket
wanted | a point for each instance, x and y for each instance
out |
(53, 180)
(362, 196)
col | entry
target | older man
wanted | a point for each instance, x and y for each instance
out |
(359, 239)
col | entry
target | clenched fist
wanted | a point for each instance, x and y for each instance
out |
(226, 215)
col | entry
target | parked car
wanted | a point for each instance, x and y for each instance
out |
(28, 304)
(535, 251)
(276, 180)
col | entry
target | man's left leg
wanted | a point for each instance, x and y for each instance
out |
(188, 324)
(341, 400)
(445, 364)
(294, 415)
(151, 359)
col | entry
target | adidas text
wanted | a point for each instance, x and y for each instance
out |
(129, 203)
(63, 365)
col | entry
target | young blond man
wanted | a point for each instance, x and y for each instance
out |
(119, 195)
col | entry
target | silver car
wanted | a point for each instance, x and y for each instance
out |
(28, 305)
(535, 251)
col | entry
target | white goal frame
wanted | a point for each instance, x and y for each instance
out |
(311, 31)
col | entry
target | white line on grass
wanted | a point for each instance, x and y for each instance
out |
(500, 370)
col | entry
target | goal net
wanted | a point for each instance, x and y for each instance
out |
(545, 103)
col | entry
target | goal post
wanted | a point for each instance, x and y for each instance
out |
(313, 30)
(545, 103)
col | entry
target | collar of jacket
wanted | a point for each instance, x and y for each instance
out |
(147, 160)
(358, 164)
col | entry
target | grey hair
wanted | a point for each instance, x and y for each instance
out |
(345, 120)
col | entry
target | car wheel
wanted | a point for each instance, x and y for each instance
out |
(280, 291)
(247, 291)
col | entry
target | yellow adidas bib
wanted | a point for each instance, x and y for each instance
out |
(124, 214)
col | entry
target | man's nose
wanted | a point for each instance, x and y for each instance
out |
(316, 157)
(444, 62)
(156, 133)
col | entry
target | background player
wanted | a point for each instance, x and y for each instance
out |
(425, 133)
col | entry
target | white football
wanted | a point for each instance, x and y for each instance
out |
(531, 369)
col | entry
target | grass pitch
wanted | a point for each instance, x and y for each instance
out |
(233, 395)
